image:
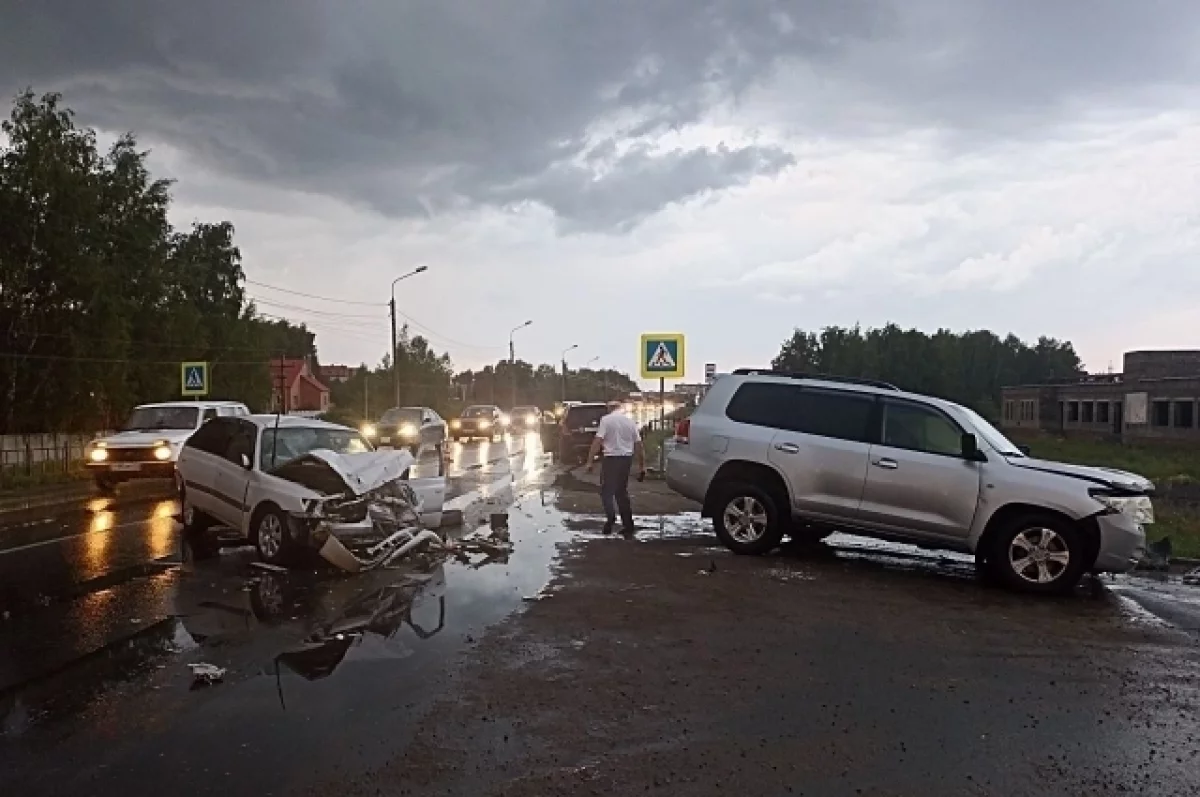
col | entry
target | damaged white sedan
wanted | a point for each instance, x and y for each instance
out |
(289, 484)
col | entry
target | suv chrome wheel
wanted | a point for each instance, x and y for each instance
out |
(1039, 555)
(746, 519)
(270, 536)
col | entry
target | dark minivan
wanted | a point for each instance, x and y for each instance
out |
(578, 427)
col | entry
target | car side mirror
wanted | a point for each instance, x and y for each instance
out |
(970, 449)
(245, 461)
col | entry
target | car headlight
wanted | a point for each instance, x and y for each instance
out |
(368, 430)
(455, 424)
(504, 420)
(1138, 507)
(485, 424)
(531, 419)
(408, 429)
(98, 454)
(162, 453)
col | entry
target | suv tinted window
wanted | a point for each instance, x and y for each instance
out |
(828, 413)
(920, 428)
(241, 442)
(213, 437)
(578, 417)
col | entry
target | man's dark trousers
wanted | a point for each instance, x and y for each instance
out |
(614, 489)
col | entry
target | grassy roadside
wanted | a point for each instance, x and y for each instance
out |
(653, 443)
(14, 481)
(1165, 466)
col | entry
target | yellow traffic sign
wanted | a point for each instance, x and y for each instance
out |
(662, 356)
(194, 379)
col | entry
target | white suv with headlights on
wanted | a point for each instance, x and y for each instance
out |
(148, 445)
(771, 454)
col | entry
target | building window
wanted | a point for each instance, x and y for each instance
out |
(1028, 410)
(1101, 412)
(1088, 412)
(1073, 411)
(1008, 411)
(1185, 414)
(1160, 414)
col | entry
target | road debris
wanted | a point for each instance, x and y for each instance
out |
(1192, 577)
(268, 566)
(206, 674)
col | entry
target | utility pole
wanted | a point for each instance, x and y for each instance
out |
(512, 360)
(392, 307)
(367, 394)
(564, 367)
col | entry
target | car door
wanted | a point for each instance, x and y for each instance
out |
(197, 465)
(232, 473)
(918, 482)
(822, 449)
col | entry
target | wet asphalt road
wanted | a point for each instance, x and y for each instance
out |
(577, 664)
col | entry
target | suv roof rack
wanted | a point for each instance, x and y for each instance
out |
(849, 380)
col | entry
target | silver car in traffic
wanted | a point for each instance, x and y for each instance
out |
(770, 454)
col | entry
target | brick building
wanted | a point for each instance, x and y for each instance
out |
(301, 390)
(1154, 398)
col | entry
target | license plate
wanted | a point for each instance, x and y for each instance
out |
(385, 439)
(126, 466)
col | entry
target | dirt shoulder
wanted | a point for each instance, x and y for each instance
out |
(667, 665)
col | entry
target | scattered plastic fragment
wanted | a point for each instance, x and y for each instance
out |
(206, 674)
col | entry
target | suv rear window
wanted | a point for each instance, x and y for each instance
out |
(578, 417)
(826, 413)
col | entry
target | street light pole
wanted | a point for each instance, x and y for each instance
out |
(572, 347)
(392, 307)
(512, 360)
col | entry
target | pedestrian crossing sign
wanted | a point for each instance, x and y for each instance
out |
(662, 356)
(194, 378)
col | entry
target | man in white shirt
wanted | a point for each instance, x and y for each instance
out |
(620, 440)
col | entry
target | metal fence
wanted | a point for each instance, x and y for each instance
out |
(26, 458)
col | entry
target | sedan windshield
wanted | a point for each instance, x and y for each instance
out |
(148, 419)
(992, 435)
(477, 412)
(284, 445)
(394, 417)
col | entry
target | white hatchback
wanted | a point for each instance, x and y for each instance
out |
(288, 483)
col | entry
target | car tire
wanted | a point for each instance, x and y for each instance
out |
(746, 518)
(269, 533)
(1039, 553)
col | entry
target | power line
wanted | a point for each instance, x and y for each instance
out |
(299, 309)
(313, 295)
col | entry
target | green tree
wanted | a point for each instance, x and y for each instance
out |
(968, 367)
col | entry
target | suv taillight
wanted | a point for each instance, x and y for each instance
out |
(683, 431)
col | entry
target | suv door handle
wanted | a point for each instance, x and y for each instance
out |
(889, 464)
(787, 448)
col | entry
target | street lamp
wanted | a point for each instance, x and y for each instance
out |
(392, 306)
(512, 360)
(572, 347)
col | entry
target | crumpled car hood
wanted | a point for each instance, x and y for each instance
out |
(329, 473)
(1108, 477)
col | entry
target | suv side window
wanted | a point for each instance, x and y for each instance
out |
(209, 414)
(212, 437)
(918, 428)
(842, 415)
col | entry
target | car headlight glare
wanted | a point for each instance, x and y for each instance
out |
(485, 424)
(531, 419)
(98, 454)
(162, 453)
(368, 430)
(455, 424)
(504, 420)
(408, 429)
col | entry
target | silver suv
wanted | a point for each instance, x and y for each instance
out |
(770, 454)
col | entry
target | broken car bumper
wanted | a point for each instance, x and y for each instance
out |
(1122, 543)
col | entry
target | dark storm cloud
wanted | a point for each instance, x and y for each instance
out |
(416, 106)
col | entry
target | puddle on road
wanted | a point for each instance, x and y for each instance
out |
(304, 652)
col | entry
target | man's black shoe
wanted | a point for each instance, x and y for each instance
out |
(608, 526)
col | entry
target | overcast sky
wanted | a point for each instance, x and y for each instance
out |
(729, 169)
